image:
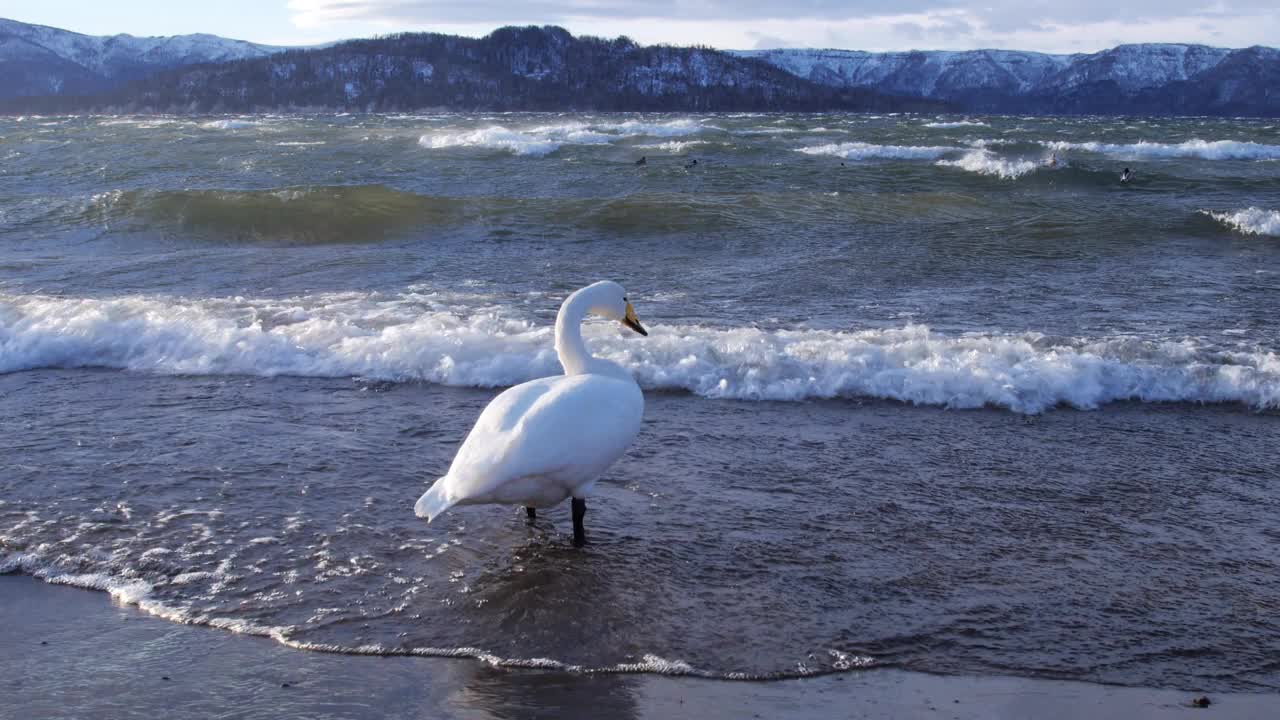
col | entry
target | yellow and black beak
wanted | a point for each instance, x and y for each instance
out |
(631, 321)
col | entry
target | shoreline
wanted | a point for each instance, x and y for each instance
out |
(74, 653)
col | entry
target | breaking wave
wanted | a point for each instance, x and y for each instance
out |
(869, 151)
(955, 124)
(534, 141)
(423, 336)
(229, 124)
(545, 139)
(674, 146)
(1204, 149)
(671, 128)
(1250, 221)
(985, 162)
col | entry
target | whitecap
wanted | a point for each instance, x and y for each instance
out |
(985, 162)
(228, 124)
(1250, 221)
(404, 338)
(535, 141)
(145, 123)
(766, 131)
(869, 151)
(1204, 149)
(671, 128)
(493, 138)
(956, 124)
(674, 146)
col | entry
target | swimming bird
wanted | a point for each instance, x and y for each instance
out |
(691, 164)
(1124, 176)
(642, 160)
(550, 439)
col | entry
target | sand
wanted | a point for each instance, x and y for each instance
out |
(71, 653)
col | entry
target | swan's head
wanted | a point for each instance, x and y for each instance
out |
(609, 300)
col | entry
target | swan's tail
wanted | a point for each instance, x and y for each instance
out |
(434, 501)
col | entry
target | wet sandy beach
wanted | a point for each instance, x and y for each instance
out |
(71, 653)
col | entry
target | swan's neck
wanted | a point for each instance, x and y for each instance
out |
(574, 356)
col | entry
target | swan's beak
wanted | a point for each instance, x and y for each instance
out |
(631, 321)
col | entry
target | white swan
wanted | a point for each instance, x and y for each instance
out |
(545, 440)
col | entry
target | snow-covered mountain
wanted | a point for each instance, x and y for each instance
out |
(513, 68)
(940, 74)
(1129, 78)
(40, 60)
(547, 68)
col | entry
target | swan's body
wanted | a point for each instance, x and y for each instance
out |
(549, 439)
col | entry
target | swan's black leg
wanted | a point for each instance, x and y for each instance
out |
(579, 511)
(531, 512)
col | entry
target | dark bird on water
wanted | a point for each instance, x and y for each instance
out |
(691, 163)
(641, 161)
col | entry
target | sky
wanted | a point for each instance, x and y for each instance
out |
(1044, 25)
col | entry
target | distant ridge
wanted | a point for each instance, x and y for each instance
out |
(36, 60)
(547, 68)
(1139, 79)
(529, 68)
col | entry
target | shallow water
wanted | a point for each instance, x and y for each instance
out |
(916, 398)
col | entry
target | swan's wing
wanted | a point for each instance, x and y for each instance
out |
(567, 429)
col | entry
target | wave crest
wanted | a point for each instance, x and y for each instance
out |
(955, 124)
(546, 139)
(869, 151)
(229, 124)
(985, 162)
(500, 138)
(1204, 149)
(413, 337)
(315, 214)
(1250, 221)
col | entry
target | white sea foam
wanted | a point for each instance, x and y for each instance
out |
(138, 592)
(132, 591)
(407, 338)
(989, 142)
(955, 124)
(1207, 150)
(869, 151)
(545, 139)
(671, 128)
(985, 162)
(674, 146)
(572, 134)
(494, 138)
(1250, 221)
(145, 123)
(228, 124)
(767, 131)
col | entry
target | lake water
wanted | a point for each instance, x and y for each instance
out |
(933, 393)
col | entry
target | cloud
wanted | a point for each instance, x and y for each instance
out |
(998, 14)
(761, 41)
(1053, 26)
